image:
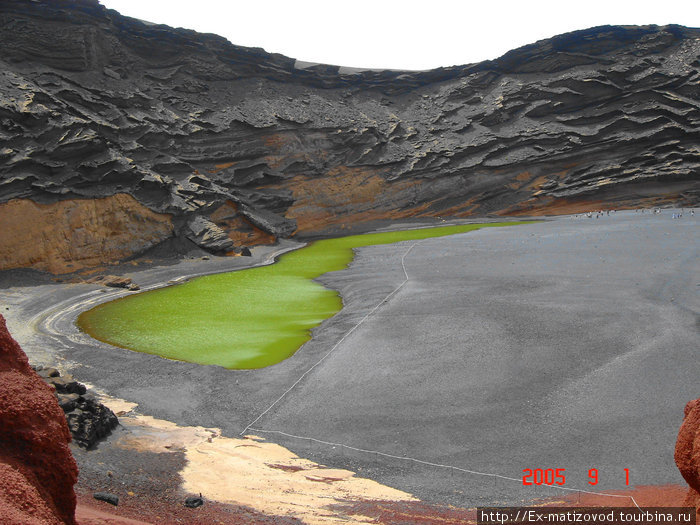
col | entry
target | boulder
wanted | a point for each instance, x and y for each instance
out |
(88, 420)
(114, 281)
(68, 402)
(112, 499)
(36, 466)
(269, 221)
(66, 385)
(208, 235)
(193, 502)
(48, 372)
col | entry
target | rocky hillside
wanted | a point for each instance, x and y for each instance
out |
(36, 465)
(143, 132)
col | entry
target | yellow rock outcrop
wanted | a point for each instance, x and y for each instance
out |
(79, 233)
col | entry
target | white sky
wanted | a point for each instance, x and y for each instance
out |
(400, 34)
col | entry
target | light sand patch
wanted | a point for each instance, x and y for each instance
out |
(147, 434)
(241, 471)
(252, 471)
(119, 406)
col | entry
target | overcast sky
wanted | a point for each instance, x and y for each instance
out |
(400, 34)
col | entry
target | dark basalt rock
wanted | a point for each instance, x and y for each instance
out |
(107, 497)
(68, 402)
(193, 502)
(114, 281)
(94, 103)
(88, 420)
(208, 235)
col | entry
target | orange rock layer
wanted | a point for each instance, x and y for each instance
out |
(70, 235)
(241, 231)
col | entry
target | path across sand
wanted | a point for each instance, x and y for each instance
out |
(565, 344)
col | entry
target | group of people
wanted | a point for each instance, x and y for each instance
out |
(680, 215)
(598, 213)
(655, 211)
(675, 215)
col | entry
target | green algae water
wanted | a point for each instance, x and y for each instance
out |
(244, 319)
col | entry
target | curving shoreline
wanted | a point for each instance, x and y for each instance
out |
(51, 325)
(206, 395)
(244, 319)
(141, 435)
(61, 321)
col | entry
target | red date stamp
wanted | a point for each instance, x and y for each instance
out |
(557, 476)
(544, 476)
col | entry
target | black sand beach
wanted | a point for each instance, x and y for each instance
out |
(570, 343)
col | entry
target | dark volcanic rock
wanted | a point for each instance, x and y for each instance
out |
(208, 235)
(107, 497)
(194, 501)
(88, 420)
(96, 104)
(114, 281)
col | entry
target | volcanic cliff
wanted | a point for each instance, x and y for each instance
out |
(36, 465)
(117, 134)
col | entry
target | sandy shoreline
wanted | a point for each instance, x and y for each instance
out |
(213, 463)
(249, 470)
(183, 406)
(46, 312)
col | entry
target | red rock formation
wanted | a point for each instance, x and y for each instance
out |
(688, 452)
(37, 468)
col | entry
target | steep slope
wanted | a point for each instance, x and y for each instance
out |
(232, 141)
(36, 466)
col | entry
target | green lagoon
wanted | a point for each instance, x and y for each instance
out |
(244, 319)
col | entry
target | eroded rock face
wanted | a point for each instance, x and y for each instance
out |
(72, 234)
(687, 453)
(207, 235)
(95, 104)
(36, 466)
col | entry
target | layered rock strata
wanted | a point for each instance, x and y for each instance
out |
(36, 466)
(238, 146)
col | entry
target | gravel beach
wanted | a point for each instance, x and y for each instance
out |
(455, 364)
